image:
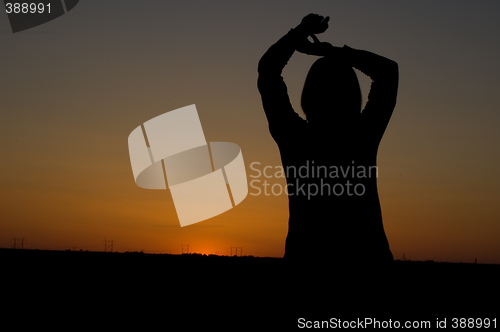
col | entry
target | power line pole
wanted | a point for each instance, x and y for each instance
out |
(236, 250)
(184, 249)
(108, 245)
(18, 243)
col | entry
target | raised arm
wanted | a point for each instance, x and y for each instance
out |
(270, 82)
(384, 88)
(271, 85)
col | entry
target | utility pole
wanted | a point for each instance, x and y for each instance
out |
(184, 249)
(108, 245)
(236, 250)
(18, 243)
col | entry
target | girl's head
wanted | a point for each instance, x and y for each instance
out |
(331, 92)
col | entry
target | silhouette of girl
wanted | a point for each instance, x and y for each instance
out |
(335, 218)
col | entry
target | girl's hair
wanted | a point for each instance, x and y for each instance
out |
(331, 90)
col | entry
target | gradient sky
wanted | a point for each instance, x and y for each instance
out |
(72, 90)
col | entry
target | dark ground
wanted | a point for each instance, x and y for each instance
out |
(195, 290)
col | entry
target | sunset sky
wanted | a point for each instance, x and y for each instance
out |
(73, 89)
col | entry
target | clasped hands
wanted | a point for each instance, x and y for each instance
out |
(311, 25)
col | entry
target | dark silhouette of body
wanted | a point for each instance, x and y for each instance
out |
(334, 231)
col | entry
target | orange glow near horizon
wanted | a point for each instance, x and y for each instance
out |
(72, 93)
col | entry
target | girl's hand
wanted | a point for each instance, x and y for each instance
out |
(313, 24)
(317, 48)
